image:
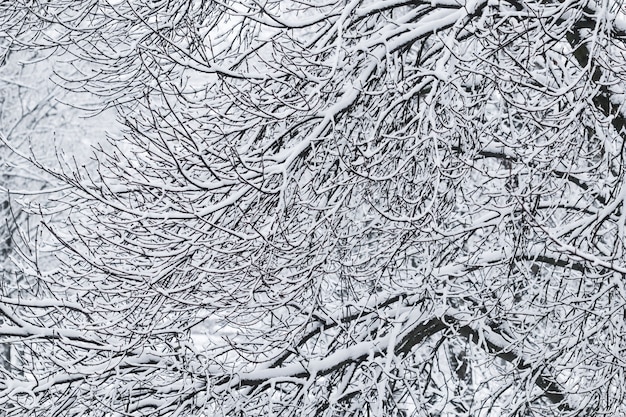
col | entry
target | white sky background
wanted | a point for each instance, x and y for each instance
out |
(26, 84)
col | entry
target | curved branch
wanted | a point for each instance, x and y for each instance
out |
(486, 338)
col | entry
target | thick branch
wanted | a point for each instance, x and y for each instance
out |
(486, 338)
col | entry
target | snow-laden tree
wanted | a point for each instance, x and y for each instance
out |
(337, 208)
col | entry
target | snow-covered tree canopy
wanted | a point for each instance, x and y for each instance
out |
(331, 208)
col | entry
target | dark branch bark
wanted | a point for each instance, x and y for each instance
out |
(551, 389)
